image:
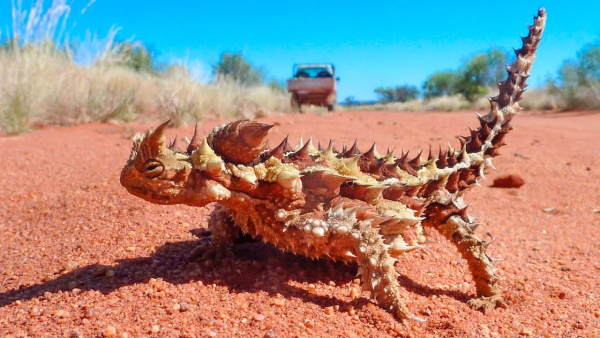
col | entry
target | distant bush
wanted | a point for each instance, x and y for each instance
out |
(578, 82)
(472, 80)
(233, 66)
(439, 84)
(136, 56)
(397, 94)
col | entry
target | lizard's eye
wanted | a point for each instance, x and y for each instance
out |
(153, 169)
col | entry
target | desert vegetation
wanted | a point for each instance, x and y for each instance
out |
(46, 78)
(49, 79)
(576, 86)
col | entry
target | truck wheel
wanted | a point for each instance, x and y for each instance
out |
(295, 104)
(330, 107)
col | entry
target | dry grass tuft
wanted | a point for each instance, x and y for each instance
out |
(42, 86)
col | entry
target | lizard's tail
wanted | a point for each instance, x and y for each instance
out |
(488, 138)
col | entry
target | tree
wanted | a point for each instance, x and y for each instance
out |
(439, 84)
(397, 94)
(479, 73)
(578, 83)
(137, 57)
(234, 66)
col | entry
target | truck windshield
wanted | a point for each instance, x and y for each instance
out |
(313, 72)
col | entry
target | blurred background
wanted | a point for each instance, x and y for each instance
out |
(67, 62)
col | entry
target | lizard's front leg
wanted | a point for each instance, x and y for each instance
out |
(223, 233)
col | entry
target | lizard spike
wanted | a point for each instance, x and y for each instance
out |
(204, 148)
(250, 178)
(389, 157)
(377, 220)
(473, 226)
(254, 134)
(452, 160)
(351, 212)
(416, 162)
(474, 144)
(463, 214)
(288, 179)
(311, 149)
(375, 193)
(350, 254)
(173, 143)
(462, 140)
(375, 282)
(430, 156)
(324, 179)
(193, 143)
(278, 151)
(371, 154)
(452, 184)
(337, 210)
(157, 137)
(352, 151)
(328, 152)
(303, 153)
(403, 163)
(352, 163)
(300, 144)
(442, 159)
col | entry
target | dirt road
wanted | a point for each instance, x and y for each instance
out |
(81, 257)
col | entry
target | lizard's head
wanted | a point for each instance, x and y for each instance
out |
(156, 172)
(162, 174)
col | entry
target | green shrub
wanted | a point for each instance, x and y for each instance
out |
(233, 66)
(397, 94)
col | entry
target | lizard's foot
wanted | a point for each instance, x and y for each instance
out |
(208, 250)
(406, 316)
(486, 304)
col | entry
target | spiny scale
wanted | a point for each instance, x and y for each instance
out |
(347, 205)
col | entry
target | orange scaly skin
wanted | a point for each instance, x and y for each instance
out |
(347, 206)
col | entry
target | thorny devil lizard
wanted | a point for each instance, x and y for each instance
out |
(347, 206)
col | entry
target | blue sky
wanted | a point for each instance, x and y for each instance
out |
(372, 43)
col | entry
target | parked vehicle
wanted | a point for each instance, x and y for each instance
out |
(314, 84)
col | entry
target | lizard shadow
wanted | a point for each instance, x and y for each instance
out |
(256, 267)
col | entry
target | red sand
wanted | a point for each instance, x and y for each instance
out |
(81, 257)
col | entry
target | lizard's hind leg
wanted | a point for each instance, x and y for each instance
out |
(459, 230)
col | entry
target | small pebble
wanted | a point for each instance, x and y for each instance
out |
(61, 314)
(353, 293)
(526, 331)
(155, 328)
(183, 307)
(109, 331)
(258, 317)
(597, 314)
(279, 302)
(70, 265)
(110, 273)
(328, 310)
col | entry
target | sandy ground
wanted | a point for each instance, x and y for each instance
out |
(81, 257)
